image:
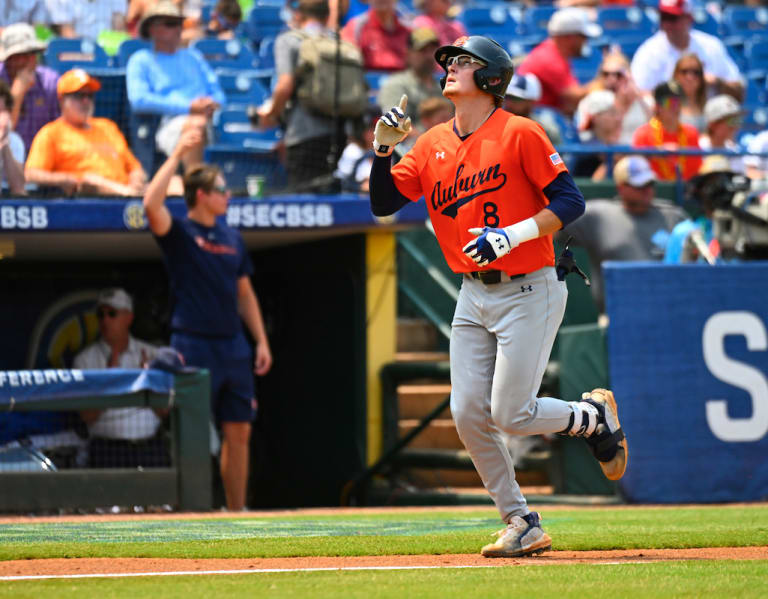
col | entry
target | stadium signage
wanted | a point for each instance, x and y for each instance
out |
(24, 378)
(288, 215)
(23, 217)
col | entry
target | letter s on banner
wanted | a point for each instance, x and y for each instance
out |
(737, 374)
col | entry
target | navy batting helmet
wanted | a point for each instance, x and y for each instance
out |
(492, 78)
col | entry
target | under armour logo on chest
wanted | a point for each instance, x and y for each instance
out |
(523, 288)
(439, 155)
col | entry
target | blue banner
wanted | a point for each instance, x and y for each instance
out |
(271, 213)
(18, 387)
(688, 353)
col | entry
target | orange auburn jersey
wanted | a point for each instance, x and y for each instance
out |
(493, 178)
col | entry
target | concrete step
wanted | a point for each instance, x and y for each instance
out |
(426, 478)
(440, 434)
(418, 400)
(422, 356)
(416, 335)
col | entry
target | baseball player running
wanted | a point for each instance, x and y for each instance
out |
(496, 191)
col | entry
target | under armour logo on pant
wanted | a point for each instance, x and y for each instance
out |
(523, 288)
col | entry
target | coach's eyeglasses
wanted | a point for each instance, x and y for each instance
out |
(220, 188)
(102, 314)
(463, 61)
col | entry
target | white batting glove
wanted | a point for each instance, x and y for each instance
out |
(391, 128)
(490, 245)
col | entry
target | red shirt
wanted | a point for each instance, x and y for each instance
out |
(652, 135)
(494, 178)
(383, 49)
(552, 69)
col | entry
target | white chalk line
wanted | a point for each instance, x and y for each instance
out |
(272, 571)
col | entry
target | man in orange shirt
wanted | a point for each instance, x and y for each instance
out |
(80, 153)
(496, 190)
(665, 131)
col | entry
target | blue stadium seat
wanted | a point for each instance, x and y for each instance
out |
(535, 20)
(127, 48)
(567, 128)
(619, 21)
(756, 53)
(492, 20)
(735, 47)
(233, 127)
(264, 21)
(63, 54)
(705, 21)
(265, 55)
(227, 54)
(745, 20)
(237, 163)
(242, 87)
(585, 66)
(755, 94)
(374, 79)
(520, 46)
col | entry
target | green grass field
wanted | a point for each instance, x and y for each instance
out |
(424, 532)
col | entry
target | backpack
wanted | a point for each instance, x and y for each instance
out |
(316, 76)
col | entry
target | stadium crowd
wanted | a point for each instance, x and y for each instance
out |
(599, 73)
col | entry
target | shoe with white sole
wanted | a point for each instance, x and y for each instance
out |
(523, 536)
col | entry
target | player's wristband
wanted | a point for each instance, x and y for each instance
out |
(524, 231)
(383, 150)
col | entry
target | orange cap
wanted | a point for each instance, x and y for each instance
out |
(75, 80)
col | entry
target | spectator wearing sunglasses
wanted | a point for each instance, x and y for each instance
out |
(120, 437)
(689, 73)
(666, 131)
(634, 225)
(654, 61)
(173, 82)
(79, 153)
(723, 115)
(633, 106)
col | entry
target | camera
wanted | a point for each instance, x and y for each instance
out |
(739, 213)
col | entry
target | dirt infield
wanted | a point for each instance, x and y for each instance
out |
(116, 566)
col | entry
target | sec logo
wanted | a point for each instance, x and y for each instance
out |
(134, 217)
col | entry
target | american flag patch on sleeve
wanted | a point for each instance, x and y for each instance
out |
(555, 159)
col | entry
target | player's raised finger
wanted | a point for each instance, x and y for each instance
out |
(403, 102)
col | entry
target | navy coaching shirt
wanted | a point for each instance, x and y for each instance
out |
(204, 264)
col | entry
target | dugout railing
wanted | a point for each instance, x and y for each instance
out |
(185, 485)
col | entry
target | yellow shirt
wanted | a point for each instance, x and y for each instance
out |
(99, 149)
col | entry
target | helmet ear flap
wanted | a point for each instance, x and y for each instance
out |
(442, 81)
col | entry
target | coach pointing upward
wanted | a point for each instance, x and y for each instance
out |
(209, 271)
(496, 190)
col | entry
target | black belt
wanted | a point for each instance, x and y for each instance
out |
(491, 277)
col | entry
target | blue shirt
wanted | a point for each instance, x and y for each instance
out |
(204, 265)
(167, 83)
(680, 233)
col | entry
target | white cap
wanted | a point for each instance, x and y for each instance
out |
(116, 298)
(634, 171)
(593, 104)
(572, 20)
(526, 87)
(720, 107)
